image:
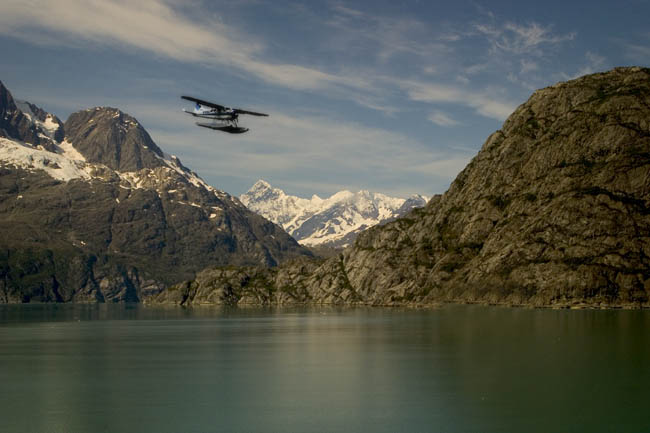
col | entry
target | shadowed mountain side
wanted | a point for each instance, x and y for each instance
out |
(553, 211)
(105, 216)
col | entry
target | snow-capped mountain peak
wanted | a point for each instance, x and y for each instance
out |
(96, 143)
(334, 221)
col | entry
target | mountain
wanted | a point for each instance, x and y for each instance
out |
(554, 210)
(92, 210)
(24, 121)
(331, 222)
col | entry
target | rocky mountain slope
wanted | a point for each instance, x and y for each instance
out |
(92, 211)
(553, 211)
(332, 222)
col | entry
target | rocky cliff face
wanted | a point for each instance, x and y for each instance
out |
(553, 211)
(93, 211)
(332, 222)
(39, 129)
(107, 136)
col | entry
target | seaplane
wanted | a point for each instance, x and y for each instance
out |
(222, 118)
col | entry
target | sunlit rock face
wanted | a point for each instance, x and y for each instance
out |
(553, 211)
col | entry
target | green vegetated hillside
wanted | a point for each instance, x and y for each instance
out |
(553, 211)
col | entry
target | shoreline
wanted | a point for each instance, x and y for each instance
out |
(410, 306)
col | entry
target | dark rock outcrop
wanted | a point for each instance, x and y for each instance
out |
(108, 136)
(553, 211)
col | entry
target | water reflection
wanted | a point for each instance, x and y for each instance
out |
(459, 368)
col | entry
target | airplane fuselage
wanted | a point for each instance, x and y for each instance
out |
(225, 116)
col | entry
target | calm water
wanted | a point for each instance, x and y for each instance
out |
(113, 368)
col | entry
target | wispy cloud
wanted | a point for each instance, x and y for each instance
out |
(484, 103)
(160, 27)
(318, 150)
(386, 36)
(442, 119)
(518, 52)
(516, 38)
(594, 63)
(638, 52)
(156, 26)
(475, 69)
(528, 66)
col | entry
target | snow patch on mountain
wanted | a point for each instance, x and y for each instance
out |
(46, 122)
(62, 161)
(334, 221)
(66, 149)
(57, 166)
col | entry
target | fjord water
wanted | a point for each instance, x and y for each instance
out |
(109, 368)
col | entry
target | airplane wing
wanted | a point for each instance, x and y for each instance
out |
(252, 113)
(205, 103)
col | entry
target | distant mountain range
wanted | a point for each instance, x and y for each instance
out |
(92, 210)
(332, 222)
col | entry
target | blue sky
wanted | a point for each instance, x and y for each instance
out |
(388, 96)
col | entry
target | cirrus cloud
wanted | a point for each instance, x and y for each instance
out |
(156, 26)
